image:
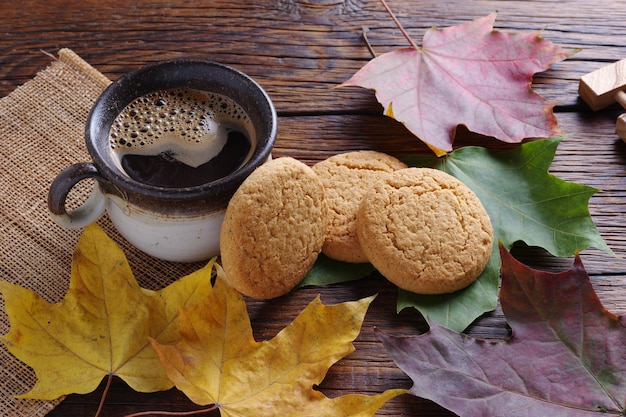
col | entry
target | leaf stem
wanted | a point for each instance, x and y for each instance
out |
(174, 413)
(399, 25)
(364, 31)
(104, 395)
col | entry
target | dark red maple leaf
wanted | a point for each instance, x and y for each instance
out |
(566, 356)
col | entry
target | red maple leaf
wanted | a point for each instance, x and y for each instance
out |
(566, 355)
(468, 74)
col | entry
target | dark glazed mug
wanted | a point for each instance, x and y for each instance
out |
(176, 223)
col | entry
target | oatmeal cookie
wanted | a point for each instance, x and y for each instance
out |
(346, 178)
(273, 229)
(425, 231)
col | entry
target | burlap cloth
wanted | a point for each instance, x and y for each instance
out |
(42, 125)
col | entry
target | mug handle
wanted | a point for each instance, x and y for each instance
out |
(89, 211)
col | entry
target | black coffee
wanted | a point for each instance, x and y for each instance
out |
(164, 170)
(181, 138)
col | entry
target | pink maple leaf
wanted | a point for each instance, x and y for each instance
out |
(468, 74)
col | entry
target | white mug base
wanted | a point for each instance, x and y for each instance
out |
(171, 238)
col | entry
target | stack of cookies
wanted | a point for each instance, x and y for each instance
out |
(421, 228)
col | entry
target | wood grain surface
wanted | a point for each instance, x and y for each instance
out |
(300, 51)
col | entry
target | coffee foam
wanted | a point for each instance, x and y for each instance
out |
(189, 125)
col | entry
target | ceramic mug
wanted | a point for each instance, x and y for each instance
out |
(173, 222)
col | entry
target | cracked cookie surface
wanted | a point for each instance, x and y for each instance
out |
(425, 231)
(273, 229)
(346, 178)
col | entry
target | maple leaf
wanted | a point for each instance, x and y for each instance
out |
(565, 357)
(468, 74)
(218, 361)
(101, 327)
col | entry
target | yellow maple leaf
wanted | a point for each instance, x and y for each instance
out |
(218, 362)
(102, 326)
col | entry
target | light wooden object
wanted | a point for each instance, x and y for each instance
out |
(605, 86)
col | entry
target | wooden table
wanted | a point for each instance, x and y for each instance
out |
(300, 50)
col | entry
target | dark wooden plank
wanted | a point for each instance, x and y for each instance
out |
(293, 48)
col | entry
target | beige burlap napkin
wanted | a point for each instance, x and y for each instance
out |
(42, 125)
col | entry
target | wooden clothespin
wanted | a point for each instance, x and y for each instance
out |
(605, 86)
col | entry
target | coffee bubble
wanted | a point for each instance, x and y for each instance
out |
(191, 126)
